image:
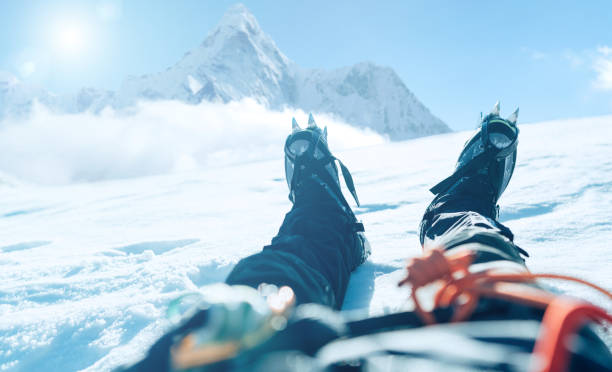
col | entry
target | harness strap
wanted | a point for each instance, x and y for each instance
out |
(348, 180)
(317, 166)
(476, 163)
(562, 317)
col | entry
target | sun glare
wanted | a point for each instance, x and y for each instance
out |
(70, 38)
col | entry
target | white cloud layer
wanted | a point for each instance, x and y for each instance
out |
(603, 67)
(154, 138)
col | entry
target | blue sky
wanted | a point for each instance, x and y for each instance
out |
(552, 58)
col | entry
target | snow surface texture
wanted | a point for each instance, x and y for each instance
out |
(238, 60)
(87, 270)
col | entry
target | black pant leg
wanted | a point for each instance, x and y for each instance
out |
(453, 221)
(314, 252)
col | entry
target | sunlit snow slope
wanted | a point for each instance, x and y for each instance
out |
(87, 270)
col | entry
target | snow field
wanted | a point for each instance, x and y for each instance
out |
(88, 269)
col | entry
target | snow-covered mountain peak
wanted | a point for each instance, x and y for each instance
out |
(240, 18)
(239, 60)
(236, 60)
(238, 35)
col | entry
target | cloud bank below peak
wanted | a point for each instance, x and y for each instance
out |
(155, 138)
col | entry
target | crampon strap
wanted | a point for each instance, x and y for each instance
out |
(562, 318)
(318, 167)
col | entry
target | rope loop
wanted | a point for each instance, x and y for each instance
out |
(462, 289)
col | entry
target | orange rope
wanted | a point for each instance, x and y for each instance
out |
(562, 317)
(434, 266)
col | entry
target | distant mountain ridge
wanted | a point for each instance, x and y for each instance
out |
(238, 60)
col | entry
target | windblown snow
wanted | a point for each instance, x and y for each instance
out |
(88, 269)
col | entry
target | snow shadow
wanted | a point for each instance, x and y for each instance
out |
(361, 286)
(22, 212)
(377, 207)
(157, 247)
(24, 246)
(528, 211)
(508, 214)
(600, 186)
(215, 272)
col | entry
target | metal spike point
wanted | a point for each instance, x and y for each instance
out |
(295, 126)
(325, 133)
(514, 117)
(495, 110)
(311, 122)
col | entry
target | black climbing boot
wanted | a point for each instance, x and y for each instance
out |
(311, 172)
(485, 165)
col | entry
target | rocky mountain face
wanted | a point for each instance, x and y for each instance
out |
(370, 96)
(238, 60)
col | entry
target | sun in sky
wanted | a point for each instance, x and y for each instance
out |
(70, 38)
(73, 34)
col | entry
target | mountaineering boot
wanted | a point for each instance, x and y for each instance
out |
(484, 167)
(307, 156)
(309, 165)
